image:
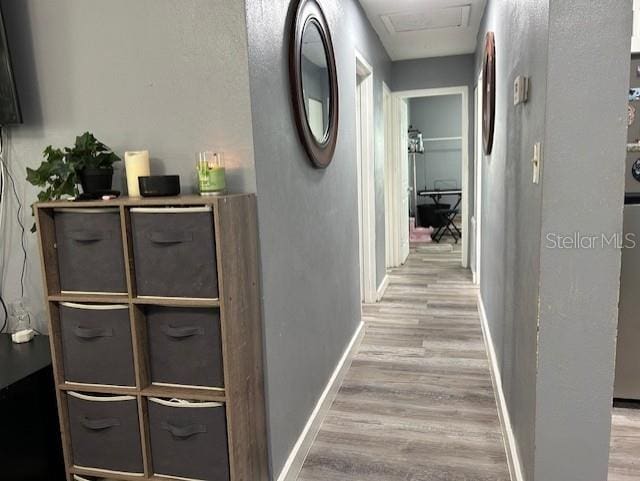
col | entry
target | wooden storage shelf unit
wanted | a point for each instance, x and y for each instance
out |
(89, 298)
(236, 302)
(175, 302)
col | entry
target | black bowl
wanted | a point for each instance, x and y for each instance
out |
(159, 185)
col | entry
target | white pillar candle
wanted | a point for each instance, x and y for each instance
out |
(136, 165)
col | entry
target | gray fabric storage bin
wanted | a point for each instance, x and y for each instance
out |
(105, 432)
(189, 440)
(96, 344)
(90, 254)
(174, 252)
(184, 346)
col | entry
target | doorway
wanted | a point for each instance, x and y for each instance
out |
(365, 175)
(458, 142)
(396, 182)
(477, 185)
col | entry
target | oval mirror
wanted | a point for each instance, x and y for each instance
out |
(314, 83)
(489, 93)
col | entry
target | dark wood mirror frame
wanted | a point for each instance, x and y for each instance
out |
(320, 153)
(489, 93)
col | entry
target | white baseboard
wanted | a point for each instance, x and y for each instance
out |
(510, 444)
(300, 450)
(383, 287)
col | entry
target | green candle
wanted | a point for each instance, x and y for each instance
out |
(211, 173)
(216, 179)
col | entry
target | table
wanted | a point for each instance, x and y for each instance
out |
(30, 441)
(448, 215)
(437, 194)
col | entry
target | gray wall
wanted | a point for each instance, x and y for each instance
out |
(584, 153)
(441, 164)
(512, 208)
(552, 313)
(308, 218)
(431, 73)
(158, 74)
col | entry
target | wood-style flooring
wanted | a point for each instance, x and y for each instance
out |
(417, 403)
(624, 459)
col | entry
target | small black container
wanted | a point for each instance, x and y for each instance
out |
(96, 180)
(159, 185)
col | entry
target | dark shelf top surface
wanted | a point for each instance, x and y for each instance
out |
(18, 361)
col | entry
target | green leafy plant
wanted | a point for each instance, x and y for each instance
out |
(59, 173)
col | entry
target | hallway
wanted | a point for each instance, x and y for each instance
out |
(417, 403)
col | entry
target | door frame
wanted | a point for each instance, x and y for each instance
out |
(388, 174)
(463, 91)
(402, 211)
(395, 155)
(478, 156)
(366, 178)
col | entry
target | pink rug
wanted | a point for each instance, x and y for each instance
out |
(419, 234)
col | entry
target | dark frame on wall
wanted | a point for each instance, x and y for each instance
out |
(489, 93)
(309, 12)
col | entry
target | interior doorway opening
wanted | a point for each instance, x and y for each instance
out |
(431, 156)
(366, 182)
(478, 157)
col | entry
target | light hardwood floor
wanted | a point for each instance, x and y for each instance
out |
(624, 460)
(417, 403)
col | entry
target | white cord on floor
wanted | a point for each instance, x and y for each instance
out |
(3, 182)
(2, 177)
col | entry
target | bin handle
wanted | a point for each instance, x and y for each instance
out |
(170, 237)
(185, 431)
(99, 424)
(182, 332)
(85, 235)
(92, 333)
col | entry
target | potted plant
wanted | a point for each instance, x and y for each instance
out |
(89, 162)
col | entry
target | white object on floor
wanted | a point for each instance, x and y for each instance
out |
(80, 478)
(23, 336)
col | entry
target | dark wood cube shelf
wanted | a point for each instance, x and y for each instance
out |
(235, 300)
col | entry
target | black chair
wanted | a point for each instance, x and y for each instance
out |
(446, 224)
(428, 215)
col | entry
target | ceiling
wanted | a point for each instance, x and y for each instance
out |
(312, 46)
(425, 28)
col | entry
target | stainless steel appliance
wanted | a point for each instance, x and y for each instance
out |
(627, 381)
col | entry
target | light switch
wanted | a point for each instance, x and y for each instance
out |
(536, 162)
(520, 89)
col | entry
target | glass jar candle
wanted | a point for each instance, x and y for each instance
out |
(211, 173)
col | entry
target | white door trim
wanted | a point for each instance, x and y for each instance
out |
(463, 91)
(395, 160)
(402, 211)
(366, 179)
(477, 172)
(388, 175)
